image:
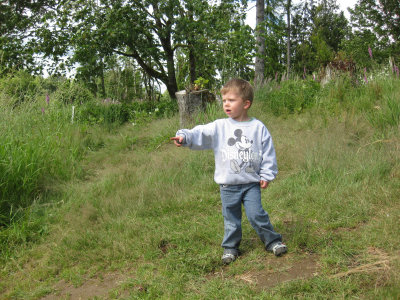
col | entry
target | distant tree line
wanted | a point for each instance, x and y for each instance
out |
(127, 49)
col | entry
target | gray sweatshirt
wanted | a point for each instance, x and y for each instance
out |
(243, 151)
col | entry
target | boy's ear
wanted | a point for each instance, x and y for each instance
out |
(247, 104)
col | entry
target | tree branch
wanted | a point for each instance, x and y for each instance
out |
(180, 46)
(149, 70)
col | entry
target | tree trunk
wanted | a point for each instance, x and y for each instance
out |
(259, 66)
(191, 103)
(171, 84)
(164, 33)
(103, 85)
(192, 57)
(192, 63)
(289, 4)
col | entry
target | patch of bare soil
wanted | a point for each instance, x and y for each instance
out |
(282, 269)
(94, 287)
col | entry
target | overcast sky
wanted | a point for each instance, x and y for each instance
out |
(343, 5)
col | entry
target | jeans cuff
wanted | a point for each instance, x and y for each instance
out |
(231, 251)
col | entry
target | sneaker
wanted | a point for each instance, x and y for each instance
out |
(229, 256)
(278, 248)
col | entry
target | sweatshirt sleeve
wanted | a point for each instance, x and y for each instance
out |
(269, 167)
(199, 138)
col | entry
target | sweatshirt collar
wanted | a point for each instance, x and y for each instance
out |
(244, 123)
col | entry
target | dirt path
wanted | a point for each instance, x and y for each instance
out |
(276, 271)
(94, 287)
(279, 270)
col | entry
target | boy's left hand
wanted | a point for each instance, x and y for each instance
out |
(263, 184)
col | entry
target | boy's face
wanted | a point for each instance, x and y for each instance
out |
(234, 106)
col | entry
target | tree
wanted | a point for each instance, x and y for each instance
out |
(382, 17)
(288, 7)
(275, 38)
(270, 32)
(317, 34)
(219, 51)
(235, 54)
(376, 24)
(141, 30)
(150, 32)
(18, 19)
(330, 23)
(259, 66)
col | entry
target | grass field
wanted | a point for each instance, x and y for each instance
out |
(145, 221)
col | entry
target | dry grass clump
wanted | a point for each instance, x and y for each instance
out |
(376, 261)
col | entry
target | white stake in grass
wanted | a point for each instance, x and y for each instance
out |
(73, 114)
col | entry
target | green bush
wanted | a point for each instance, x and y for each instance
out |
(18, 87)
(113, 113)
(377, 100)
(51, 84)
(95, 112)
(291, 96)
(71, 92)
(166, 108)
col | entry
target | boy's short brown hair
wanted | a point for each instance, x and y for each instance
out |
(240, 86)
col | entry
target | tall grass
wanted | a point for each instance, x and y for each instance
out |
(378, 100)
(150, 212)
(43, 144)
(289, 96)
(152, 215)
(39, 147)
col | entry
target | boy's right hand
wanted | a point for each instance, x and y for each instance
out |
(178, 140)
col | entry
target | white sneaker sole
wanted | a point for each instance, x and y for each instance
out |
(280, 249)
(228, 258)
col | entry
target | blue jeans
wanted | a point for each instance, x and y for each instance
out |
(232, 197)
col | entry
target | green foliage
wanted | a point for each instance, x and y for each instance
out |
(373, 27)
(369, 15)
(201, 82)
(18, 87)
(377, 101)
(150, 204)
(317, 35)
(101, 33)
(125, 85)
(356, 47)
(97, 113)
(321, 50)
(386, 114)
(39, 148)
(125, 51)
(42, 147)
(291, 96)
(73, 92)
(114, 114)
(270, 32)
(330, 24)
(235, 52)
(17, 46)
(213, 111)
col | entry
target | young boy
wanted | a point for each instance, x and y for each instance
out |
(245, 160)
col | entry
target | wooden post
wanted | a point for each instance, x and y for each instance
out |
(190, 103)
